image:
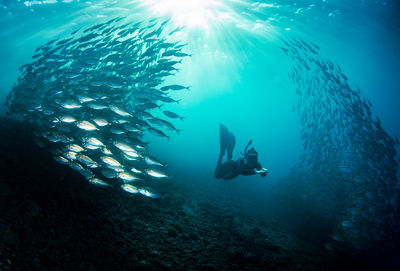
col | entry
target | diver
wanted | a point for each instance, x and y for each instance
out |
(247, 165)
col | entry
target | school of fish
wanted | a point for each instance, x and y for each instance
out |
(90, 98)
(348, 170)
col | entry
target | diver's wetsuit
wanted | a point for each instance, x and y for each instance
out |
(231, 168)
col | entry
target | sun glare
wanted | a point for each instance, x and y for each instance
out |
(189, 13)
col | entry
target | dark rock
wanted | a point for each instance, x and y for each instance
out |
(172, 232)
(194, 236)
(10, 238)
(29, 209)
(177, 227)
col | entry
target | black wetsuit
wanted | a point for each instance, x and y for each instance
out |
(233, 168)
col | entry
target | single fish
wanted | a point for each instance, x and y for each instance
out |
(120, 121)
(83, 98)
(148, 192)
(70, 104)
(124, 147)
(110, 161)
(135, 170)
(106, 151)
(155, 173)
(90, 146)
(157, 132)
(70, 155)
(130, 158)
(172, 115)
(132, 154)
(76, 166)
(131, 128)
(74, 148)
(116, 169)
(163, 124)
(100, 122)
(117, 131)
(86, 125)
(118, 110)
(86, 160)
(67, 119)
(152, 161)
(97, 181)
(173, 87)
(62, 160)
(129, 188)
(108, 173)
(93, 141)
(127, 177)
(96, 106)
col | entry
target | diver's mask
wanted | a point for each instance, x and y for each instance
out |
(251, 158)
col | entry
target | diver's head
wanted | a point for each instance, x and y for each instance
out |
(251, 158)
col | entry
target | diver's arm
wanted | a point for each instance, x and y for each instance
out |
(263, 172)
(260, 170)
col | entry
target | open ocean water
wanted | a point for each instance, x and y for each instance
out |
(109, 136)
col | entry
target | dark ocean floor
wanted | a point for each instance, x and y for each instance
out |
(51, 218)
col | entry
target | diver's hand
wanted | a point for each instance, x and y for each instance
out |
(262, 171)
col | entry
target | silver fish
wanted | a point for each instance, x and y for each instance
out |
(127, 177)
(97, 181)
(86, 125)
(67, 119)
(155, 174)
(130, 188)
(61, 160)
(96, 106)
(148, 192)
(71, 104)
(100, 122)
(124, 147)
(110, 161)
(86, 160)
(119, 110)
(74, 148)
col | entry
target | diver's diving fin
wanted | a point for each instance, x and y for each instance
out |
(230, 145)
(227, 141)
(223, 134)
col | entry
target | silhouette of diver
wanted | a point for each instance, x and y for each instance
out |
(247, 165)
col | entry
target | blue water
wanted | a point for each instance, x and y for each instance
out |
(237, 73)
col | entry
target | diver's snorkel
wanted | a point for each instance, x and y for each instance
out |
(245, 150)
(247, 146)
